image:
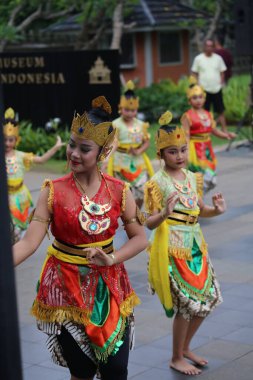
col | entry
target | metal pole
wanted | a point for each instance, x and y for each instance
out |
(10, 358)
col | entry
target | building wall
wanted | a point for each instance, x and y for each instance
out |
(172, 71)
(137, 73)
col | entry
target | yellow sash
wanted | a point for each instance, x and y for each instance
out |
(74, 259)
(159, 267)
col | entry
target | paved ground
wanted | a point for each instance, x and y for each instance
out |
(225, 338)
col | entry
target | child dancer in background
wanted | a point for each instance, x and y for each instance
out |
(129, 161)
(199, 126)
(180, 270)
(17, 163)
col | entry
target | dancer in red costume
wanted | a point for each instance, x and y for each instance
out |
(199, 126)
(85, 301)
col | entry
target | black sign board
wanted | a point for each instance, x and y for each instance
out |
(42, 86)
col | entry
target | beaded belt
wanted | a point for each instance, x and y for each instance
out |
(125, 150)
(14, 188)
(182, 217)
(200, 137)
(78, 250)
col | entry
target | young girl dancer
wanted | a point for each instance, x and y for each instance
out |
(199, 126)
(180, 270)
(85, 300)
(17, 163)
(129, 161)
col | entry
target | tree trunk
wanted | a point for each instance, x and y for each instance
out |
(117, 27)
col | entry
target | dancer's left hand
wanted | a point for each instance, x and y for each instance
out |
(219, 203)
(59, 142)
(98, 257)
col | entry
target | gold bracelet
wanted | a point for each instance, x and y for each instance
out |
(112, 256)
(163, 215)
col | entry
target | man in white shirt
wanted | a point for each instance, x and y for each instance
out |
(209, 68)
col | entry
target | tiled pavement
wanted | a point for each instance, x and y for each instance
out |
(225, 338)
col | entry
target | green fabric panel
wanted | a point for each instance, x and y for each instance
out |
(195, 265)
(169, 312)
(208, 155)
(194, 168)
(111, 339)
(101, 304)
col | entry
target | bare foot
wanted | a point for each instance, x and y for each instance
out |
(195, 358)
(184, 367)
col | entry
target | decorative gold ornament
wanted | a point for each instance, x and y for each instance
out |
(9, 113)
(132, 102)
(9, 128)
(165, 118)
(194, 88)
(174, 137)
(83, 128)
(130, 85)
(192, 80)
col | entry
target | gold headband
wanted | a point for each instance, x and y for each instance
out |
(195, 90)
(84, 128)
(175, 137)
(131, 103)
(9, 128)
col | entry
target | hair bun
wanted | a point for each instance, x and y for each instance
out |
(101, 102)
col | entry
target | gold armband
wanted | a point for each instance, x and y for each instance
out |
(140, 218)
(36, 218)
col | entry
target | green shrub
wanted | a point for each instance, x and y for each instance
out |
(236, 97)
(38, 141)
(159, 97)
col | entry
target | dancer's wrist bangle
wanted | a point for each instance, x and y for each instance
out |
(112, 256)
(163, 214)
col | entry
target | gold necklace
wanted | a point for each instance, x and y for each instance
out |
(92, 216)
(81, 187)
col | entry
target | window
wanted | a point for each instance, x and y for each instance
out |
(127, 56)
(169, 47)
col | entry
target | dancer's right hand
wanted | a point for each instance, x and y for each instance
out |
(170, 203)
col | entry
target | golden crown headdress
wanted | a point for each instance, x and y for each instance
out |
(194, 88)
(100, 133)
(174, 137)
(10, 128)
(129, 102)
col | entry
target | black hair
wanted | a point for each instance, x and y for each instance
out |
(130, 94)
(9, 120)
(168, 128)
(99, 115)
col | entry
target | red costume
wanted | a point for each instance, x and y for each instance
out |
(93, 300)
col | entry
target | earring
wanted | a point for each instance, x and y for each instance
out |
(67, 165)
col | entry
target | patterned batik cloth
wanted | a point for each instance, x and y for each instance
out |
(180, 270)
